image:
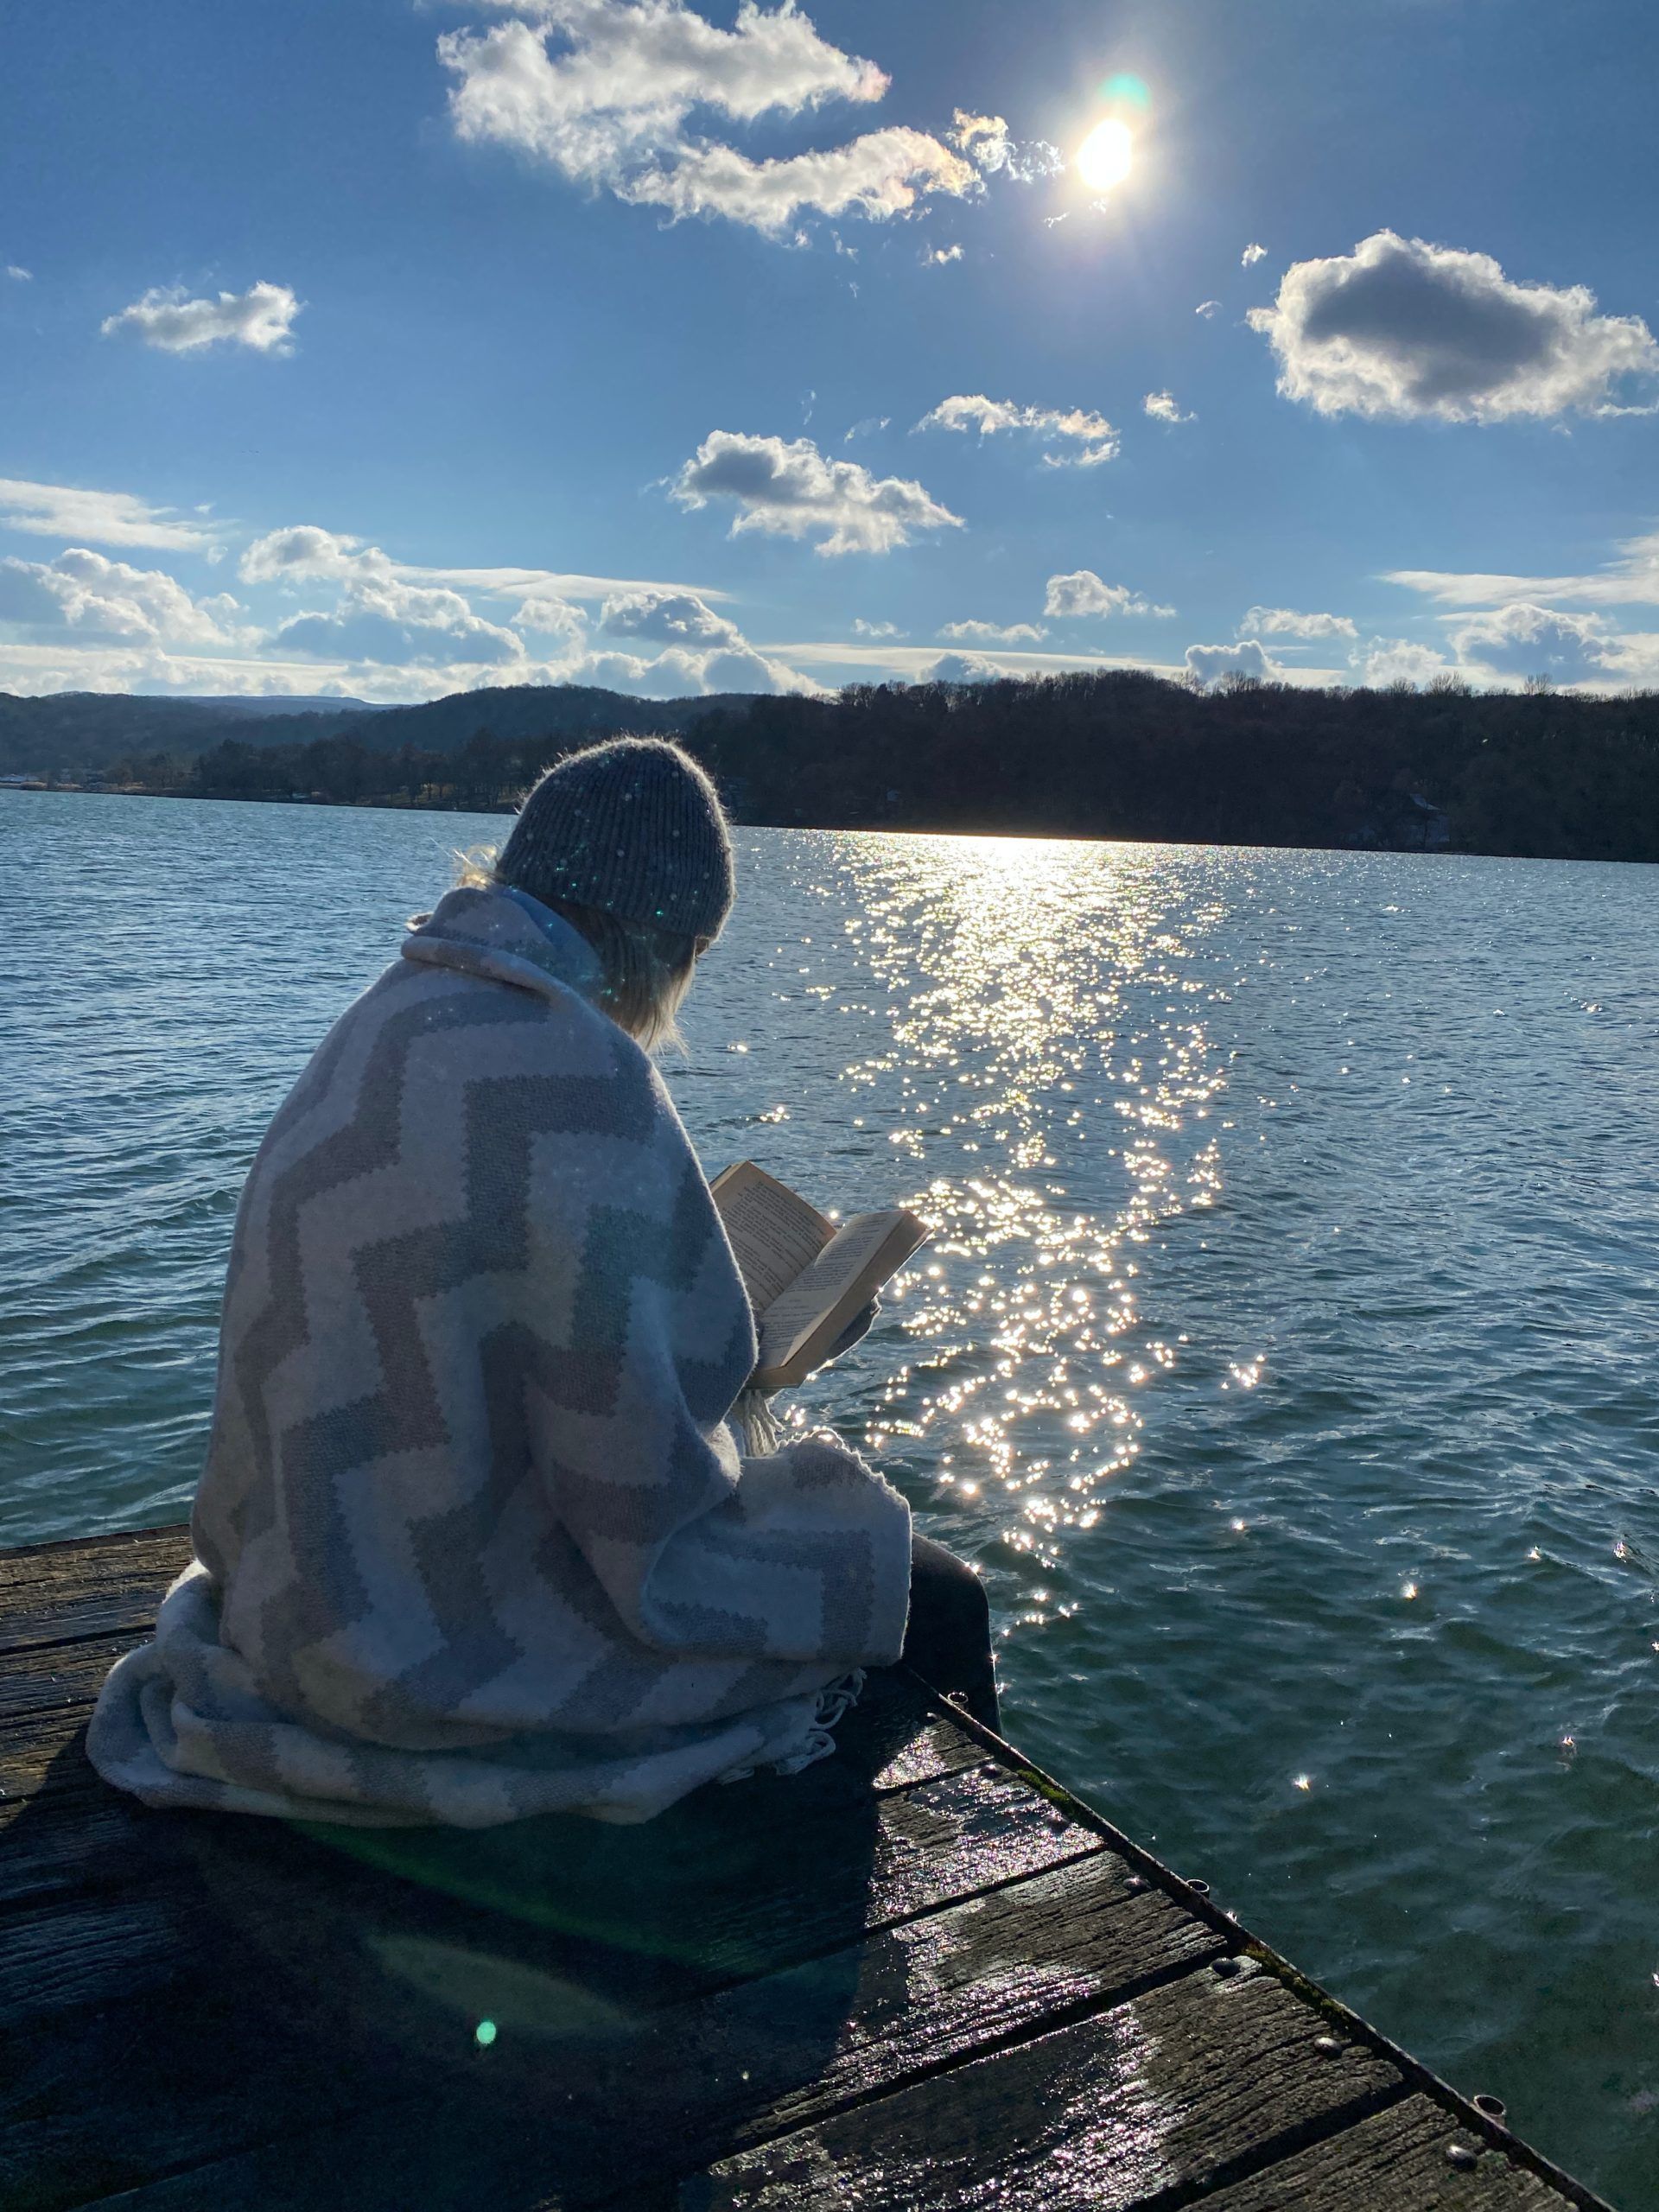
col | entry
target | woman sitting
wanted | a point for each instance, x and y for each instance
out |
(474, 1541)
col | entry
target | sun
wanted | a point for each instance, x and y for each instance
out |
(1106, 155)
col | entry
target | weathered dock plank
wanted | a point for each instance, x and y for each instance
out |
(917, 1976)
(1410, 2158)
(110, 1586)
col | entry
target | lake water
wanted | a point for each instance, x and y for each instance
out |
(1285, 1358)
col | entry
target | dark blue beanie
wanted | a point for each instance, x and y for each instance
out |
(633, 827)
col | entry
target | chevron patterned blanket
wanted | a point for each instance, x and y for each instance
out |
(474, 1541)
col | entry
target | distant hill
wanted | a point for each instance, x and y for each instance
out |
(511, 713)
(75, 733)
(285, 703)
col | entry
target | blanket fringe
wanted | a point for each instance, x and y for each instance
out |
(835, 1700)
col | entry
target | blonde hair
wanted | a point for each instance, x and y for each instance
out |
(646, 971)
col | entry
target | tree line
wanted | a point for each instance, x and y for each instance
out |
(1115, 754)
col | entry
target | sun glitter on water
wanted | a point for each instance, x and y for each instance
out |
(1107, 154)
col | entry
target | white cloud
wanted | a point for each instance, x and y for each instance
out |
(1252, 254)
(1207, 307)
(85, 591)
(107, 517)
(1210, 663)
(995, 633)
(669, 618)
(867, 427)
(1632, 580)
(880, 174)
(610, 107)
(1404, 328)
(305, 553)
(261, 318)
(1524, 640)
(939, 257)
(1092, 435)
(1285, 622)
(1399, 660)
(399, 626)
(378, 616)
(550, 614)
(1083, 592)
(19, 275)
(863, 629)
(1163, 408)
(961, 668)
(786, 488)
(985, 140)
(679, 673)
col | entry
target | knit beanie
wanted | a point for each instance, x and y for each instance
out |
(633, 827)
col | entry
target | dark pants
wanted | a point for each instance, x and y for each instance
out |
(948, 1640)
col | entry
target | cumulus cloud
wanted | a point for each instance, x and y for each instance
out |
(678, 672)
(940, 257)
(261, 318)
(1163, 408)
(1252, 254)
(1285, 622)
(1525, 640)
(379, 615)
(1091, 436)
(995, 633)
(786, 488)
(1399, 660)
(1401, 327)
(669, 618)
(603, 91)
(1082, 592)
(87, 592)
(107, 517)
(961, 668)
(863, 629)
(1207, 307)
(1210, 663)
(400, 625)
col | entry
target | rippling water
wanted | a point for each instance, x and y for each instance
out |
(1285, 1356)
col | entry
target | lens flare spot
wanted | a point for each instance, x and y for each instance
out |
(1107, 154)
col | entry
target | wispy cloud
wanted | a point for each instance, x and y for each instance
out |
(262, 319)
(1285, 622)
(1163, 407)
(1631, 580)
(1252, 254)
(603, 92)
(66, 510)
(1084, 439)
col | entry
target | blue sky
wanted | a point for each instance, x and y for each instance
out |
(367, 347)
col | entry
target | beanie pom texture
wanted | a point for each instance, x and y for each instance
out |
(634, 827)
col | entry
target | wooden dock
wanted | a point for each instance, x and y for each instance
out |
(919, 1975)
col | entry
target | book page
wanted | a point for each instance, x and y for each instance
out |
(774, 1233)
(858, 1256)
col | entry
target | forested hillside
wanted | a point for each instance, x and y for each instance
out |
(1119, 755)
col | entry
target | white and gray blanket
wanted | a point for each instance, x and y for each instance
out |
(474, 1541)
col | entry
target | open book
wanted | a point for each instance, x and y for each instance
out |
(807, 1279)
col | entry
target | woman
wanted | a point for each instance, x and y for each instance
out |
(474, 1541)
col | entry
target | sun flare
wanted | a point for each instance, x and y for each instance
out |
(1106, 155)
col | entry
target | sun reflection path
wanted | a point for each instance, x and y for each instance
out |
(1047, 1082)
